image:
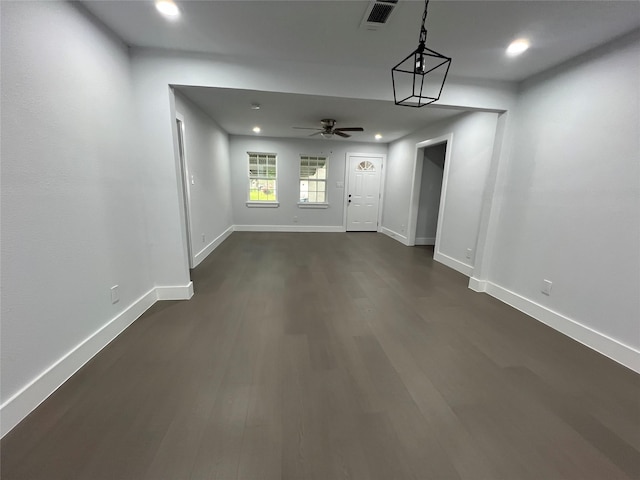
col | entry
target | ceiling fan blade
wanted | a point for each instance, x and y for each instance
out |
(340, 134)
(314, 134)
(350, 129)
(306, 128)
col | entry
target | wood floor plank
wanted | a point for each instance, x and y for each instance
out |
(334, 356)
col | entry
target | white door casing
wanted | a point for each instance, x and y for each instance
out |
(415, 189)
(184, 169)
(363, 192)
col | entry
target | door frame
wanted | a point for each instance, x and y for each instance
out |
(383, 177)
(186, 189)
(415, 188)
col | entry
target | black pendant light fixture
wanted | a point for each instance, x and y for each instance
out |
(419, 78)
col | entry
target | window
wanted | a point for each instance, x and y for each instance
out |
(262, 177)
(313, 179)
(366, 166)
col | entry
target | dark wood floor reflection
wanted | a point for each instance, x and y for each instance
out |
(334, 356)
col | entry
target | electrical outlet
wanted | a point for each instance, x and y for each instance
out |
(469, 251)
(402, 229)
(203, 238)
(546, 287)
(115, 294)
(295, 219)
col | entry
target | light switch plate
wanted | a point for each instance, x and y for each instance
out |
(115, 294)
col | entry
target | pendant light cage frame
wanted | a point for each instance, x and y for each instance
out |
(411, 87)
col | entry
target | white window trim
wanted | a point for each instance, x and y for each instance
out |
(324, 204)
(254, 204)
(257, 203)
(313, 205)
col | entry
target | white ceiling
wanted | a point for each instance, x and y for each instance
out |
(474, 33)
(279, 112)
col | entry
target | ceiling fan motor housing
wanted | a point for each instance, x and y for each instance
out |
(328, 123)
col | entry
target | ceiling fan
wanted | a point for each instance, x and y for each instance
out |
(329, 129)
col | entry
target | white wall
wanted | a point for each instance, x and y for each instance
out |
(154, 71)
(207, 157)
(570, 206)
(73, 222)
(430, 189)
(288, 164)
(91, 186)
(184, 68)
(471, 154)
(90, 182)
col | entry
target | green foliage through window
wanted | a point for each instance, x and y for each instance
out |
(262, 177)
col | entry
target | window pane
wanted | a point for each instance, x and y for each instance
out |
(304, 191)
(262, 177)
(313, 172)
(365, 165)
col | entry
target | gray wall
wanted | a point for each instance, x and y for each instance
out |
(90, 198)
(154, 71)
(570, 198)
(289, 151)
(471, 153)
(430, 189)
(73, 219)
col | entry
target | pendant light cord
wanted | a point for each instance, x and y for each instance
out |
(423, 30)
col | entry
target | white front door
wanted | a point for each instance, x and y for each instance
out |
(363, 193)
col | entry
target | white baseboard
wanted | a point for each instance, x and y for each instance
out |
(607, 346)
(179, 292)
(395, 235)
(477, 285)
(453, 263)
(289, 228)
(35, 392)
(16, 408)
(204, 253)
(425, 240)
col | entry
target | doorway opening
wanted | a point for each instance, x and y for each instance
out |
(428, 193)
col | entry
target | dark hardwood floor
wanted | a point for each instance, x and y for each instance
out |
(334, 356)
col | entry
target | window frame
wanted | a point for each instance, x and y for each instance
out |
(256, 202)
(325, 203)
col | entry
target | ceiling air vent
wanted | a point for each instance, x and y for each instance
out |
(378, 13)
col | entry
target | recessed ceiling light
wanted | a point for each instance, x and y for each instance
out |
(255, 106)
(167, 8)
(378, 136)
(256, 129)
(517, 47)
